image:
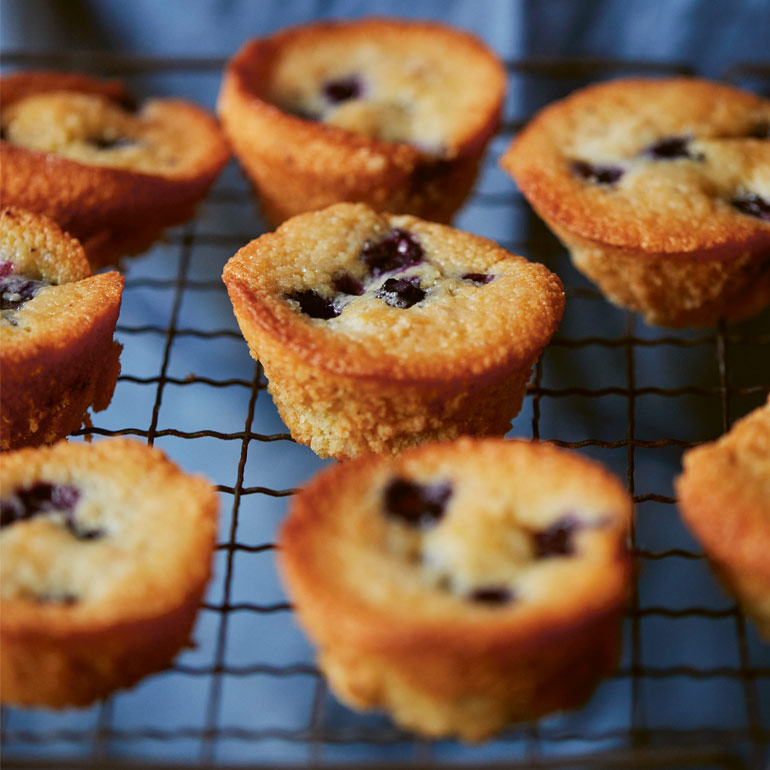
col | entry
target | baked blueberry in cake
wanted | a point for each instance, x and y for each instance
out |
(475, 582)
(724, 498)
(377, 332)
(57, 322)
(114, 176)
(660, 189)
(392, 113)
(105, 551)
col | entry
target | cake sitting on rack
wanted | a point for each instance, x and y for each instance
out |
(724, 497)
(660, 189)
(392, 113)
(75, 149)
(105, 551)
(57, 322)
(378, 332)
(461, 586)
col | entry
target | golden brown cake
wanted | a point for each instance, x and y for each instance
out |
(461, 586)
(724, 498)
(105, 552)
(57, 321)
(660, 189)
(392, 113)
(378, 332)
(113, 177)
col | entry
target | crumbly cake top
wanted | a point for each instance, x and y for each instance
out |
(47, 293)
(166, 137)
(725, 493)
(421, 83)
(94, 533)
(359, 292)
(480, 529)
(39, 249)
(670, 165)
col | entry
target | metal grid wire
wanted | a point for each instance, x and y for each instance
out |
(724, 371)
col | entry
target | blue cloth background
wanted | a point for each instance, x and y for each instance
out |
(708, 35)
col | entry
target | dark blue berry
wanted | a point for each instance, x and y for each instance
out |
(400, 292)
(760, 131)
(62, 598)
(15, 290)
(105, 143)
(343, 89)
(478, 278)
(557, 539)
(419, 505)
(670, 148)
(592, 172)
(41, 498)
(397, 252)
(492, 595)
(346, 284)
(754, 205)
(313, 304)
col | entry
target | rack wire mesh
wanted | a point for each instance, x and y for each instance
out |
(693, 686)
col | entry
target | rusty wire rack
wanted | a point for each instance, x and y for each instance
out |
(693, 686)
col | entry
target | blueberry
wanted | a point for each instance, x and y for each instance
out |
(343, 89)
(400, 292)
(397, 252)
(669, 148)
(754, 205)
(760, 131)
(58, 598)
(105, 143)
(418, 505)
(346, 284)
(478, 278)
(492, 595)
(557, 539)
(313, 304)
(592, 172)
(42, 498)
(15, 290)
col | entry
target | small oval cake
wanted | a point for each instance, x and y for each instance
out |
(724, 498)
(105, 551)
(660, 189)
(392, 113)
(461, 586)
(72, 148)
(57, 322)
(377, 332)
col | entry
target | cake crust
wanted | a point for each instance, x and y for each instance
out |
(649, 184)
(110, 198)
(724, 498)
(85, 615)
(58, 355)
(406, 636)
(298, 164)
(379, 377)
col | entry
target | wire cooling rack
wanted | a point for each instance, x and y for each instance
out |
(693, 686)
